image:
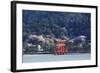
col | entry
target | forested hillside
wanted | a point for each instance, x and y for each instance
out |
(57, 23)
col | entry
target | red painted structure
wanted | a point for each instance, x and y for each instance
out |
(60, 47)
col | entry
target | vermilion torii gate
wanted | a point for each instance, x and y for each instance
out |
(60, 47)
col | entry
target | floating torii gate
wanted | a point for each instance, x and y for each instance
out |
(60, 47)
